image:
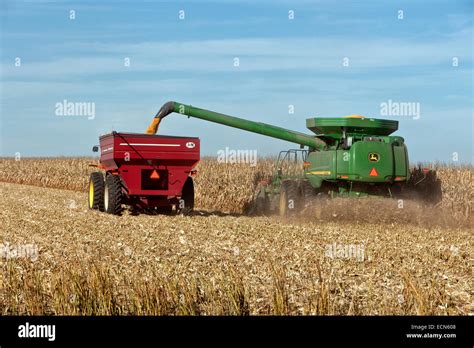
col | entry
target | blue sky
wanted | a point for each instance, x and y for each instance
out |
(282, 62)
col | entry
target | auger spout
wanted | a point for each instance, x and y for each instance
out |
(235, 122)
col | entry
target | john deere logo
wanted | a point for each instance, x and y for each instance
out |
(374, 157)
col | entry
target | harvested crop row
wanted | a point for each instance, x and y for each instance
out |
(95, 263)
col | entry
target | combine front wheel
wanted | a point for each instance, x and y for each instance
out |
(307, 194)
(289, 198)
(96, 191)
(113, 195)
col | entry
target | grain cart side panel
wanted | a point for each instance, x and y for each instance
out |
(151, 167)
(107, 152)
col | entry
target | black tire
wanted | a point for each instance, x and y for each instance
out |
(165, 209)
(113, 195)
(289, 198)
(96, 191)
(186, 203)
(262, 206)
(307, 194)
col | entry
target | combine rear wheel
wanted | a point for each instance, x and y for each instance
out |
(289, 198)
(113, 195)
(186, 203)
(96, 191)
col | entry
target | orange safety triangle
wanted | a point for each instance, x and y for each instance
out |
(154, 175)
(373, 172)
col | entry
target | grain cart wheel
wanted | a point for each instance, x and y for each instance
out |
(113, 195)
(186, 203)
(165, 210)
(96, 191)
(289, 198)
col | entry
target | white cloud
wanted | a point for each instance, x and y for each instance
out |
(257, 54)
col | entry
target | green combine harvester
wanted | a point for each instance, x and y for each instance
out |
(352, 156)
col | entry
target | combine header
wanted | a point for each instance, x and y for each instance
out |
(352, 156)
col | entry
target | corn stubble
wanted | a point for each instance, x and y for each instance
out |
(416, 260)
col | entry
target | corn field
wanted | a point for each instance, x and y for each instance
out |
(364, 258)
(219, 186)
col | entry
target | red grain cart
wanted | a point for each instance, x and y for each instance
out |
(152, 172)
